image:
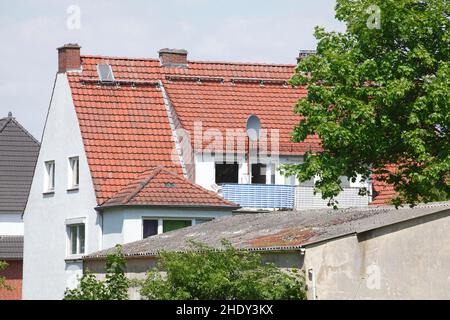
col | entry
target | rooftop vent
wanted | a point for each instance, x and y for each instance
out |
(105, 73)
(170, 185)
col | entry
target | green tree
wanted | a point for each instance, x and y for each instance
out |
(204, 273)
(114, 287)
(379, 94)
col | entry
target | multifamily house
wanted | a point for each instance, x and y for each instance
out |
(18, 154)
(133, 148)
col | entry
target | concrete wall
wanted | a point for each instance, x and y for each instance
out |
(124, 225)
(409, 260)
(47, 272)
(11, 224)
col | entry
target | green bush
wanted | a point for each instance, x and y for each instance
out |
(229, 274)
(115, 286)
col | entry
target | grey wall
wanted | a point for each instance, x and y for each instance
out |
(408, 260)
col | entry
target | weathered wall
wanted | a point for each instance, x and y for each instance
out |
(408, 260)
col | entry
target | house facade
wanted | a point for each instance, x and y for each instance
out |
(117, 125)
(18, 155)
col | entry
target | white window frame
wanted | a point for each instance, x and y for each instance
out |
(161, 222)
(78, 253)
(74, 173)
(49, 176)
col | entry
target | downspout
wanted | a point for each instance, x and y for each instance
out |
(311, 275)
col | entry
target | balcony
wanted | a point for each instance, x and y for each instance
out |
(260, 196)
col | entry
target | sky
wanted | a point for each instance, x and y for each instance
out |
(269, 31)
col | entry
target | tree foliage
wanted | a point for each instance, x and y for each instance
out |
(380, 95)
(114, 287)
(204, 273)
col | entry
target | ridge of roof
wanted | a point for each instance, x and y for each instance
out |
(13, 120)
(215, 62)
(3, 126)
(152, 173)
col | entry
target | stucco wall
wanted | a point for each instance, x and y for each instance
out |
(46, 273)
(11, 224)
(124, 225)
(409, 260)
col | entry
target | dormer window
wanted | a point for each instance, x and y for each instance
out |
(49, 178)
(74, 172)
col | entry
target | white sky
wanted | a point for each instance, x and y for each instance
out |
(224, 30)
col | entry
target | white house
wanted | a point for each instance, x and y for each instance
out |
(122, 132)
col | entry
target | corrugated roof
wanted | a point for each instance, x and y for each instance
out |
(278, 230)
(161, 187)
(19, 151)
(11, 247)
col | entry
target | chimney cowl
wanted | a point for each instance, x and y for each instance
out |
(69, 58)
(173, 57)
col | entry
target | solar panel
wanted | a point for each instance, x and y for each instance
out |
(105, 73)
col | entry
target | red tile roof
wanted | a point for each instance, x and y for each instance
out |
(125, 130)
(223, 106)
(161, 187)
(383, 192)
(125, 127)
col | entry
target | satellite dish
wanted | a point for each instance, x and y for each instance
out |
(253, 128)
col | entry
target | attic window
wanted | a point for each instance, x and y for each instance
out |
(105, 73)
(169, 185)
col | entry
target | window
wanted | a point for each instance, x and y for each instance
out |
(49, 179)
(259, 172)
(153, 227)
(74, 172)
(227, 173)
(150, 228)
(76, 234)
(172, 225)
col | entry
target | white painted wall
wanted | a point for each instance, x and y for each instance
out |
(124, 225)
(11, 224)
(46, 273)
(205, 171)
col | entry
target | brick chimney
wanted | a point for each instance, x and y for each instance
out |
(173, 57)
(69, 58)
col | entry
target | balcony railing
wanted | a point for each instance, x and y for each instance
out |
(260, 196)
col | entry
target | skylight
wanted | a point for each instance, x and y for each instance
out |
(105, 73)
